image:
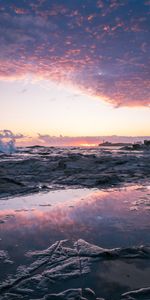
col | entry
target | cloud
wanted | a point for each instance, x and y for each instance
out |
(102, 47)
(8, 134)
(9, 140)
(49, 140)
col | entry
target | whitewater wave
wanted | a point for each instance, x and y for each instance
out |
(7, 147)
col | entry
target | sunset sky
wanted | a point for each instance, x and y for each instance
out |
(75, 68)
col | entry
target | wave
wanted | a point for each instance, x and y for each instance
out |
(7, 147)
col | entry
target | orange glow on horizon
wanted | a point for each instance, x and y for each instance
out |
(88, 145)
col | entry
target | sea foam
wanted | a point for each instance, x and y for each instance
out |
(7, 147)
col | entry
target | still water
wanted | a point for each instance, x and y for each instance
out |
(107, 218)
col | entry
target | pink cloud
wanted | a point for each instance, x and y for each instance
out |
(99, 47)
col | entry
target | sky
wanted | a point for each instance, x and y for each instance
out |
(74, 68)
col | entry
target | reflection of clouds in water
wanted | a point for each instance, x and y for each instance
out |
(98, 210)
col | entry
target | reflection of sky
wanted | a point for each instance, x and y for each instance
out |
(105, 218)
(90, 48)
(101, 217)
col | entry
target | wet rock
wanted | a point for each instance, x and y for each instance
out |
(61, 167)
(70, 294)
(141, 294)
(4, 257)
(60, 263)
(73, 294)
(110, 179)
